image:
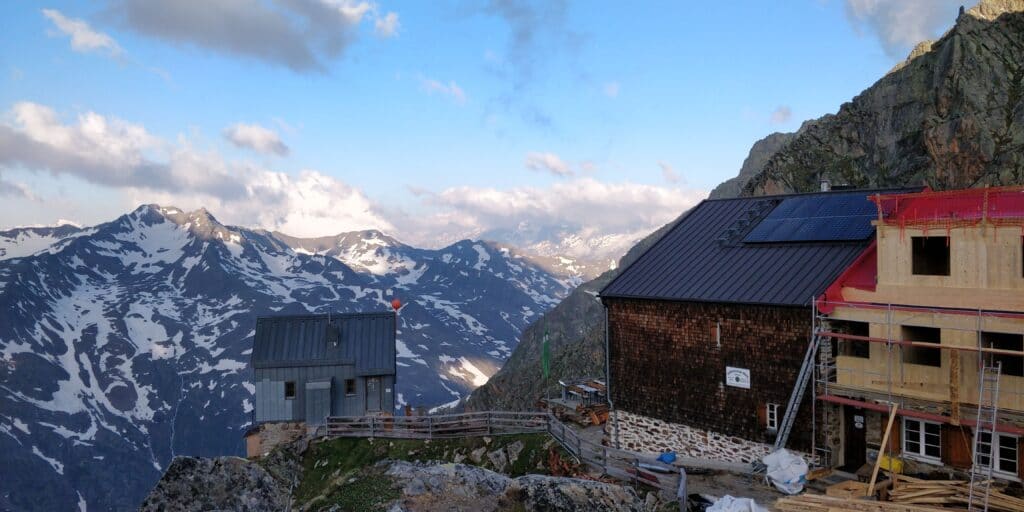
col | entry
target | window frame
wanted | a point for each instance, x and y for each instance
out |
(991, 338)
(294, 389)
(918, 262)
(996, 470)
(771, 416)
(859, 349)
(922, 454)
(912, 354)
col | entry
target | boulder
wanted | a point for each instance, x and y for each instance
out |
(222, 483)
(435, 486)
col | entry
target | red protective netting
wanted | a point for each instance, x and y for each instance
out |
(946, 210)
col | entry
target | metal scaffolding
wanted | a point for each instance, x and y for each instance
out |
(829, 375)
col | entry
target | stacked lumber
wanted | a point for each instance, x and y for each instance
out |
(818, 503)
(954, 493)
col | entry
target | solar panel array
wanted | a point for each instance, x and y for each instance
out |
(816, 218)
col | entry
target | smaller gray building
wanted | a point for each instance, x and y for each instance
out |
(309, 367)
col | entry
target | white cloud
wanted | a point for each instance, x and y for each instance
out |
(387, 25)
(299, 34)
(126, 157)
(451, 89)
(606, 218)
(611, 89)
(668, 172)
(780, 115)
(901, 24)
(588, 216)
(83, 38)
(14, 190)
(257, 138)
(548, 162)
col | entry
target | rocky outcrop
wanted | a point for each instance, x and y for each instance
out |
(759, 155)
(223, 483)
(433, 486)
(951, 116)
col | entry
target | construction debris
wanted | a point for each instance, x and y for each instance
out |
(818, 503)
(900, 494)
(582, 402)
(955, 493)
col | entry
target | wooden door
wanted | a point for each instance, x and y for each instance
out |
(373, 394)
(855, 439)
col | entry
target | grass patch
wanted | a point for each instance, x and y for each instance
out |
(340, 471)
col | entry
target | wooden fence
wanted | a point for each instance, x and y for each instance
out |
(619, 464)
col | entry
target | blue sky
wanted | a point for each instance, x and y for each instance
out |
(431, 120)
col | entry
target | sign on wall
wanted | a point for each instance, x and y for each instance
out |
(737, 377)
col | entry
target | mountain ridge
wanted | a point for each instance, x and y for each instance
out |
(128, 342)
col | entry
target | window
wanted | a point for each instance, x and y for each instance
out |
(930, 255)
(350, 387)
(289, 390)
(1010, 365)
(716, 333)
(773, 417)
(1006, 449)
(922, 355)
(922, 439)
(852, 348)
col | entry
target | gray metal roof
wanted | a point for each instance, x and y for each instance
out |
(705, 257)
(366, 340)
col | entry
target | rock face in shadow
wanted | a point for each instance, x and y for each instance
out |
(950, 116)
(762, 151)
(222, 483)
(432, 486)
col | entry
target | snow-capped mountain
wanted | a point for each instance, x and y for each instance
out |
(21, 242)
(125, 344)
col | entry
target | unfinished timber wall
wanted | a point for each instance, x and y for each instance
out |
(669, 363)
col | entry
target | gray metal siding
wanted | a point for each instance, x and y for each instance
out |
(318, 402)
(690, 263)
(270, 403)
(272, 406)
(365, 339)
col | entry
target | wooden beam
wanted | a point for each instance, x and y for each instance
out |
(909, 413)
(922, 344)
(954, 387)
(881, 452)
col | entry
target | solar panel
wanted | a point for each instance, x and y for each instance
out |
(817, 218)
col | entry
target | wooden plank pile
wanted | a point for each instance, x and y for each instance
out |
(955, 493)
(819, 503)
(907, 494)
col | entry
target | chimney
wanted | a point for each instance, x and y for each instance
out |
(826, 185)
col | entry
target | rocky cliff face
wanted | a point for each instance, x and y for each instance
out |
(760, 153)
(951, 116)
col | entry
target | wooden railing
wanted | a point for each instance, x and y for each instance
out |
(620, 464)
(444, 426)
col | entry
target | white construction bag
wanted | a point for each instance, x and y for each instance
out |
(729, 504)
(786, 471)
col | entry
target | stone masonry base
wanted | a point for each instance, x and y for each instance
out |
(649, 435)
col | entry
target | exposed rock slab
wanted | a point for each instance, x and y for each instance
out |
(223, 483)
(435, 487)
